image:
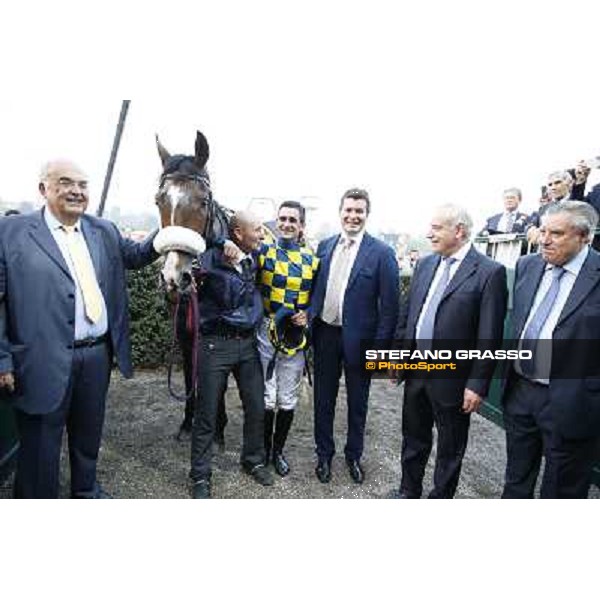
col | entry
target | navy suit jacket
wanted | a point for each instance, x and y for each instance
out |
(472, 310)
(37, 303)
(371, 299)
(519, 226)
(575, 403)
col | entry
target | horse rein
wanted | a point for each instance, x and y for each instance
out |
(192, 322)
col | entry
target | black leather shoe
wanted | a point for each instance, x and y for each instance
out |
(201, 490)
(96, 494)
(281, 465)
(355, 470)
(102, 495)
(261, 475)
(323, 471)
(399, 494)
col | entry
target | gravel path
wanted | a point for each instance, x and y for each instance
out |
(141, 459)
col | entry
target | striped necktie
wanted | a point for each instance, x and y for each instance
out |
(84, 271)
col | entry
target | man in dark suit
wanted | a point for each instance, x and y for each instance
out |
(560, 189)
(580, 180)
(456, 294)
(552, 403)
(355, 297)
(63, 318)
(511, 220)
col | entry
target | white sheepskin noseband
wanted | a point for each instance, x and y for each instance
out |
(180, 239)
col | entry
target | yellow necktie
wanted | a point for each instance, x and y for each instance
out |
(86, 276)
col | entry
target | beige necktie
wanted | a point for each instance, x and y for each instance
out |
(338, 274)
(84, 271)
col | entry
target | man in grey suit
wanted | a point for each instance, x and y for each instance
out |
(63, 317)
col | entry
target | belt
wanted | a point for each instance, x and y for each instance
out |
(339, 327)
(228, 332)
(91, 342)
(532, 381)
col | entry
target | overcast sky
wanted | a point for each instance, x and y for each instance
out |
(436, 102)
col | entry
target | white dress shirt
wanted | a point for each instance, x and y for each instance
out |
(458, 257)
(503, 221)
(84, 328)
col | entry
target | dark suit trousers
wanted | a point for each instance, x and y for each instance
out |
(329, 361)
(531, 434)
(218, 357)
(420, 412)
(82, 412)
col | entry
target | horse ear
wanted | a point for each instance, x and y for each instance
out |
(163, 152)
(202, 150)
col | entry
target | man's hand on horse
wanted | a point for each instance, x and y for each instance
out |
(7, 380)
(232, 253)
(300, 319)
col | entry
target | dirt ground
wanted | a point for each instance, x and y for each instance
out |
(140, 457)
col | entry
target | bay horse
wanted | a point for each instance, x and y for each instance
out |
(190, 220)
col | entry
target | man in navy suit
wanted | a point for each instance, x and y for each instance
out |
(552, 404)
(511, 220)
(355, 297)
(63, 317)
(457, 294)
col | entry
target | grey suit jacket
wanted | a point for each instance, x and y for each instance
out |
(37, 303)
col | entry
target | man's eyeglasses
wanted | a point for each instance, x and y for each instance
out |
(68, 183)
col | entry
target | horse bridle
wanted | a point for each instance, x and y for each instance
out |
(211, 203)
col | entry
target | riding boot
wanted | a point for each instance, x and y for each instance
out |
(282, 428)
(269, 420)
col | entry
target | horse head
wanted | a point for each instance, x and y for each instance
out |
(187, 212)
